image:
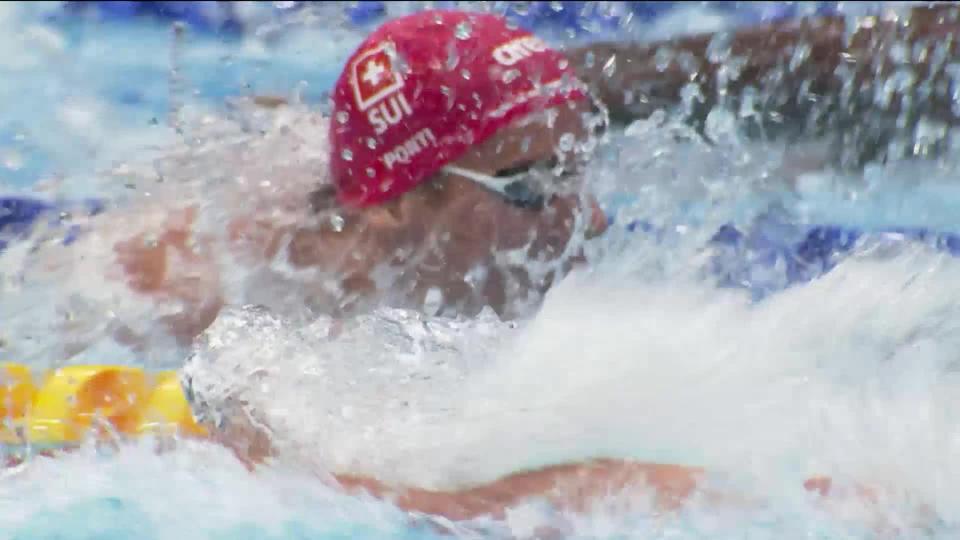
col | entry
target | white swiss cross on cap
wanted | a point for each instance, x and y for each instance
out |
(372, 76)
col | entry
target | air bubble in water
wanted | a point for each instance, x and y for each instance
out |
(284, 5)
(567, 140)
(465, 74)
(462, 30)
(563, 63)
(370, 172)
(342, 117)
(589, 59)
(371, 143)
(556, 6)
(346, 154)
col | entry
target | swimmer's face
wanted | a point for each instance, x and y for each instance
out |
(501, 244)
(464, 244)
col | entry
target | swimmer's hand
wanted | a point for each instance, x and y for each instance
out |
(174, 265)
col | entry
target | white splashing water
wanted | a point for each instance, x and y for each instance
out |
(638, 357)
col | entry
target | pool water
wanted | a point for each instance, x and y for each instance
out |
(852, 375)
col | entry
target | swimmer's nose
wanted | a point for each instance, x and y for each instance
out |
(598, 219)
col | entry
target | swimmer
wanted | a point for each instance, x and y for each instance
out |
(459, 154)
(416, 146)
(456, 139)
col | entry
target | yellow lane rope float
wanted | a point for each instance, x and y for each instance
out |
(74, 402)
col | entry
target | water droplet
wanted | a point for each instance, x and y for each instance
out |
(371, 143)
(337, 222)
(589, 59)
(462, 30)
(370, 172)
(610, 67)
(567, 140)
(525, 144)
(386, 185)
(800, 55)
(453, 58)
(563, 63)
(284, 5)
(346, 154)
(465, 74)
(342, 117)
(899, 53)
(13, 160)
(662, 58)
(400, 63)
(719, 47)
(433, 301)
(510, 75)
(556, 6)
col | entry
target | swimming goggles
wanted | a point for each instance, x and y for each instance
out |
(527, 186)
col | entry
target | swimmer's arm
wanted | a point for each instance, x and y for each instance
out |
(577, 487)
(176, 263)
(571, 487)
(791, 66)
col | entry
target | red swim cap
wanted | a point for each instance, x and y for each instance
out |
(424, 88)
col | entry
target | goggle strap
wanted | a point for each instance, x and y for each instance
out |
(486, 181)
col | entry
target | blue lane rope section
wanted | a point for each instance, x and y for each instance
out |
(19, 216)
